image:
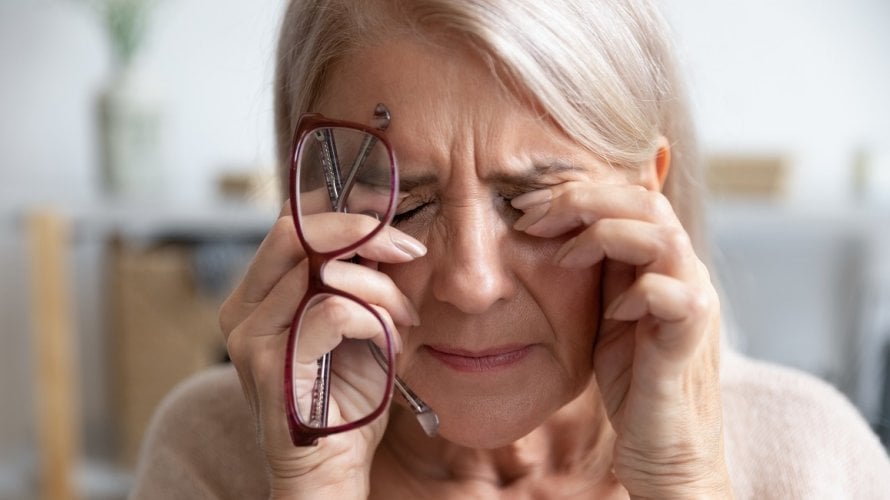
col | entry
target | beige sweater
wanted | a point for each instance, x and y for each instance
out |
(788, 436)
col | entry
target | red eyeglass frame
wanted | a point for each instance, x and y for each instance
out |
(300, 433)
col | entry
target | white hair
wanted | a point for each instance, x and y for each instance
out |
(603, 71)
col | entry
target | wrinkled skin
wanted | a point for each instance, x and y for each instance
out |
(518, 242)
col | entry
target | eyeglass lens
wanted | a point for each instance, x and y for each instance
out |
(341, 170)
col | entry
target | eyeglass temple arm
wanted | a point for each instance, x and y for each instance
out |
(321, 392)
(331, 168)
(339, 192)
(381, 121)
(425, 415)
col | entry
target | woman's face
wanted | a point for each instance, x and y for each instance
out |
(506, 337)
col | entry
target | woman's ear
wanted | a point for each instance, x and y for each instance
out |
(654, 171)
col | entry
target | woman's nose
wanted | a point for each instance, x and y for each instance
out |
(473, 271)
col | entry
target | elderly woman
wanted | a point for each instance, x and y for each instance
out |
(488, 281)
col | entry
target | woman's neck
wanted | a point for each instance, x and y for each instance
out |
(574, 444)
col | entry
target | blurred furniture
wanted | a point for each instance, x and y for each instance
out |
(57, 390)
(749, 176)
(123, 304)
(162, 328)
(167, 271)
(809, 287)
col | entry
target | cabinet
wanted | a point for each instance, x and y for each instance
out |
(809, 287)
(146, 283)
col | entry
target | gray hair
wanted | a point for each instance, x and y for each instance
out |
(603, 71)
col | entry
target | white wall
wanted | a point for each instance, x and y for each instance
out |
(807, 78)
(210, 63)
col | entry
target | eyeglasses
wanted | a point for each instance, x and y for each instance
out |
(340, 364)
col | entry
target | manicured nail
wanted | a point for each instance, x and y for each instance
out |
(566, 248)
(531, 216)
(407, 244)
(531, 198)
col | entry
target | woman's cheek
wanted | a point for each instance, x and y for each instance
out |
(410, 277)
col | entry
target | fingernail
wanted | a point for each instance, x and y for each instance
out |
(614, 306)
(407, 244)
(531, 198)
(533, 215)
(566, 248)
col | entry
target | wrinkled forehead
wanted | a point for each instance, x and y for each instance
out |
(441, 94)
(401, 69)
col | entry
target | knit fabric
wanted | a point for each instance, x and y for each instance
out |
(788, 436)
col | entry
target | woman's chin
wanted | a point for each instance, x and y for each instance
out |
(488, 424)
(484, 437)
(494, 407)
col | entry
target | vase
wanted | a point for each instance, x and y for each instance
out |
(131, 124)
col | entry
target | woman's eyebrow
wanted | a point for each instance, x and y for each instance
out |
(520, 178)
(533, 174)
(409, 182)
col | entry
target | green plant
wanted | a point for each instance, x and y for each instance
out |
(126, 22)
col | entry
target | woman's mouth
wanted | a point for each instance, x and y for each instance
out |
(485, 360)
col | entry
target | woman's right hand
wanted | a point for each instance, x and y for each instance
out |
(256, 319)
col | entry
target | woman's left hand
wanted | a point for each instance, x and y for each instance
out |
(656, 357)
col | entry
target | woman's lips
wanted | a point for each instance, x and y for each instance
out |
(479, 361)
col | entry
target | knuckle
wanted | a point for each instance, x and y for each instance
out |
(333, 310)
(676, 241)
(293, 283)
(226, 317)
(699, 301)
(569, 198)
(237, 349)
(282, 237)
(266, 367)
(659, 206)
(283, 224)
(596, 230)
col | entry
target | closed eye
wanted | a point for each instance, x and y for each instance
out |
(408, 215)
(513, 191)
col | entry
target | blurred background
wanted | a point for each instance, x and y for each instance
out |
(136, 158)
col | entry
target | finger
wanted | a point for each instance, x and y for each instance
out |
(653, 247)
(617, 278)
(258, 362)
(675, 311)
(576, 204)
(329, 320)
(281, 251)
(275, 314)
(338, 233)
(315, 201)
(261, 370)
